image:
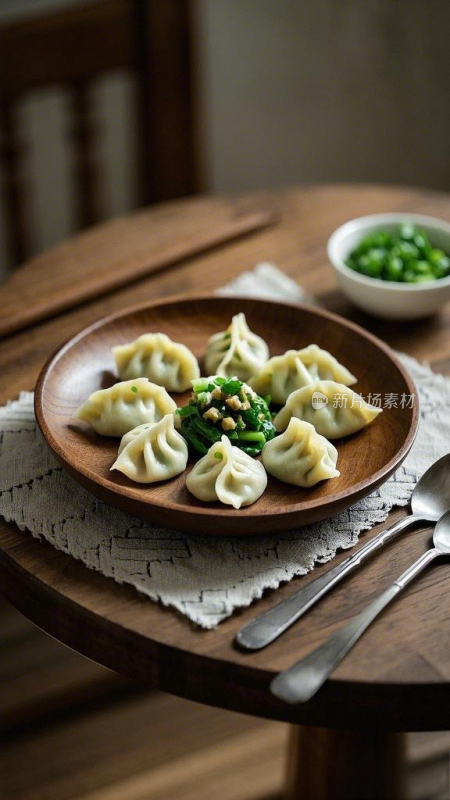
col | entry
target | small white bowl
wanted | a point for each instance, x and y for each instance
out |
(389, 299)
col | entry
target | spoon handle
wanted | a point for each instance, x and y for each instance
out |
(301, 681)
(268, 626)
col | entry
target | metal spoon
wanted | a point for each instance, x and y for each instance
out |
(430, 499)
(301, 681)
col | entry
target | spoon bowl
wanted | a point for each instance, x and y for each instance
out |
(431, 496)
(441, 535)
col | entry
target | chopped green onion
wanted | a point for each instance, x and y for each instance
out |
(134, 388)
(200, 385)
(251, 436)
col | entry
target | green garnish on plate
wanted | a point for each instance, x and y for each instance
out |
(221, 406)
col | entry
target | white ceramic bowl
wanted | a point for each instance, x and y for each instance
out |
(389, 299)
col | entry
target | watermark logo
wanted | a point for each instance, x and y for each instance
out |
(319, 400)
(351, 400)
(388, 400)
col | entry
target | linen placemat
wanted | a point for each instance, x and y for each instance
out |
(203, 577)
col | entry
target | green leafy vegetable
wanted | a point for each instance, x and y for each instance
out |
(218, 406)
(186, 411)
(232, 386)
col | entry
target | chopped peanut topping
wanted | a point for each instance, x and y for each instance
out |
(217, 394)
(234, 403)
(213, 414)
(228, 424)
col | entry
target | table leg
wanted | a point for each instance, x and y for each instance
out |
(326, 764)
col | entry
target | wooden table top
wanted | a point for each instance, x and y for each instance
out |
(398, 675)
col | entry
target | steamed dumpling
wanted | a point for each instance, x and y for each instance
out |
(156, 357)
(322, 366)
(282, 375)
(158, 452)
(300, 455)
(333, 409)
(115, 411)
(227, 474)
(128, 437)
(236, 352)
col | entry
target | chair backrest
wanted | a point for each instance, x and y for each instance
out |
(72, 48)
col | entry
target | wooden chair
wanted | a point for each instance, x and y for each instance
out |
(72, 48)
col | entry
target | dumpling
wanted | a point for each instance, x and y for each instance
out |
(300, 455)
(281, 376)
(322, 366)
(156, 357)
(236, 352)
(333, 409)
(227, 474)
(157, 453)
(128, 437)
(296, 368)
(119, 409)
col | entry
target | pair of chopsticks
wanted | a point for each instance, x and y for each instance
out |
(39, 289)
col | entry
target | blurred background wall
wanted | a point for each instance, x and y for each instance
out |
(290, 92)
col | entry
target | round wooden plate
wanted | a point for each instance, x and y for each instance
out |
(85, 364)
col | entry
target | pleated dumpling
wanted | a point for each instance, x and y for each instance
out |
(282, 375)
(128, 437)
(119, 409)
(236, 352)
(333, 409)
(300, 455)
(322, 366)
(227, 474)
(156, 357)
(157, 453)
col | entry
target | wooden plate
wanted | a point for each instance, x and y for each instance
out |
(85, 363)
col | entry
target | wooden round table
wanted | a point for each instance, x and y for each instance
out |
(346, 741)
